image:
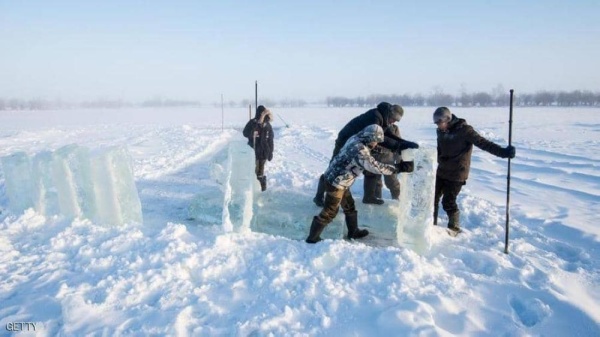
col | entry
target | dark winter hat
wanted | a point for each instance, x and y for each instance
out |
(384, 108)
(397, 112)
(442, 114)
(260, 109)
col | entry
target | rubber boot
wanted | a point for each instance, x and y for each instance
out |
(352, 224)
(263, 183)
(454, 222)
(371, 184)
(316, 228)
(395, 194)
(435, 214)
(318, 199)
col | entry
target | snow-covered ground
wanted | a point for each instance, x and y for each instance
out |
(173, 275)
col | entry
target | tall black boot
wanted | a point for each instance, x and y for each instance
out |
(454, 221)
(316, 228)
(371, 184)
(263, 183)
(352, 224)
(435, 214)
(318, 199)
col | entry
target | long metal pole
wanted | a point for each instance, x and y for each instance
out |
(222, 115)
(510, 120)
(255, 95)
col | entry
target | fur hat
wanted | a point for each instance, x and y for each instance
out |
(442, 114)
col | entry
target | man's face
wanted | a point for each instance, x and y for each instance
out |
(372, 145)
(441, 125)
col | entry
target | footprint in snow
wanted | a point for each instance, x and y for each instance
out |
(529, 312)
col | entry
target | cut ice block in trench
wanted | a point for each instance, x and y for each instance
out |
(382, 222)
(239, 187)
(17, 178)
(290, 214)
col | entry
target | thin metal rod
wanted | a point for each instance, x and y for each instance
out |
(510, 121)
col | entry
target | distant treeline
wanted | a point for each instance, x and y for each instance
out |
(438, 98)
(478, 99)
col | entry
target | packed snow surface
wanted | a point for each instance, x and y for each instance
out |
(179, 272)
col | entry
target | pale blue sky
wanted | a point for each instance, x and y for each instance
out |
(134, 50)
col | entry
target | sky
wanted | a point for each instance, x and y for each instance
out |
(198, 50)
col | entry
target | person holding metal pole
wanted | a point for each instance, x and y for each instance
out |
(260, 135)
(455, 140)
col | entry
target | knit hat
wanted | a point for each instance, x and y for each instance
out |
(397, 112)
(442, 114)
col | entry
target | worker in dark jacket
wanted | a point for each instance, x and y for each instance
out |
(384, 115)
(455, 140)
(259, 132)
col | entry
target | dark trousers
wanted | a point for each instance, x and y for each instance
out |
(373, 185)
(334, 198)
(447, 191)
(259, 169)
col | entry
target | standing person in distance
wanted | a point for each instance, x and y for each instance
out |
(383, 115)
(260, 136)
(354, 158)
(455, 140)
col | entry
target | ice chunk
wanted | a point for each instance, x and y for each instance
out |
(290, 214)
(69, 164)
(44, 193)
(116, 198)
(73, 183)
(240, 184)
(19, 185)
(416, 202)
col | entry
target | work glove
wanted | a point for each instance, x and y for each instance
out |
(508, 152)
(405, 166)
(405, 144)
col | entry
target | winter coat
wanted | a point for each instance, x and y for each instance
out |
(377, 116)
(262, 143)
(353, 159)
(454, 148)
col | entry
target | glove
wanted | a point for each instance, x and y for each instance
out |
(405, 166)
(405, 144)
(508, 152)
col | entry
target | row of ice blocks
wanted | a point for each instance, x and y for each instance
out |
(289, 214)
(74, 182)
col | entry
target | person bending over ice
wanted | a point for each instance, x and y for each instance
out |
(354, 157)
